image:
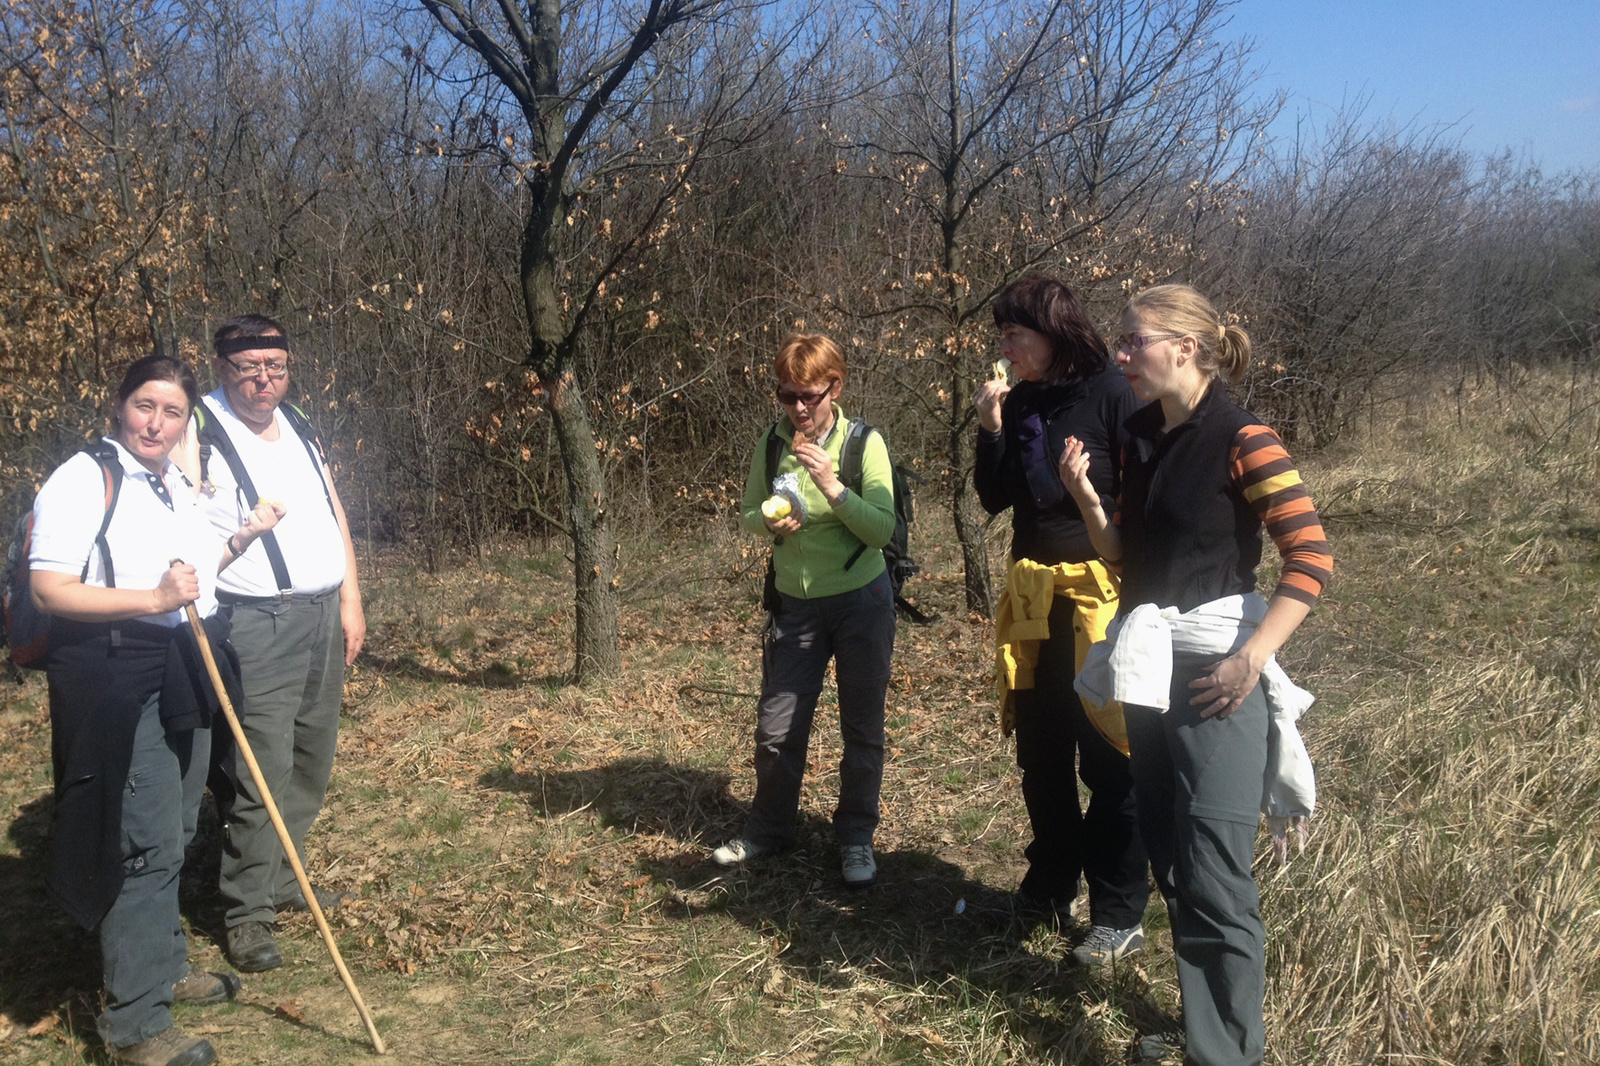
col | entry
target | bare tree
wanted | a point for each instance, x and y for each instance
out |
(1352, 238)
(94, 230)
(611, 96)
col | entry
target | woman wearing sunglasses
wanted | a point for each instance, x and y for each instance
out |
(1066, 389)
(833, 600)
(1201, 478)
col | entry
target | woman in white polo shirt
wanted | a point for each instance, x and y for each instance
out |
(130, 702)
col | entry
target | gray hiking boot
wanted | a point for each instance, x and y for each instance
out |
(1105, 945)
(201, 988)
(857, 865)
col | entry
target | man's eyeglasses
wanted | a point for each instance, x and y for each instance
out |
(789, 398)
(1137, 342)
(276, 369)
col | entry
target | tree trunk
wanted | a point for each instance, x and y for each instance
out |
(969, 527)
(594, 548)
(597, 647)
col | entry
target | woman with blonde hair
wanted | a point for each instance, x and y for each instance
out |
(832, 598)
(1201, 478)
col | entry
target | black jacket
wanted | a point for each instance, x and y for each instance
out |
(98, 689)
(1018, 467)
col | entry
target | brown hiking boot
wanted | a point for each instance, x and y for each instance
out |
(252, 948)
(201, 988)
(170, 1047)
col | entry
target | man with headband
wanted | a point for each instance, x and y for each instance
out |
(296, 617)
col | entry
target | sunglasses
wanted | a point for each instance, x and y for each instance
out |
(789, 398)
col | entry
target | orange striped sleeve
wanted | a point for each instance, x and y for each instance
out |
(1266, 475)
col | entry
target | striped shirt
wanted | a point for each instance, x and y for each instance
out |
(1264, 472)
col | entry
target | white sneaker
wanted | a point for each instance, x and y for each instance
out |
(737, 851)
(857, 865)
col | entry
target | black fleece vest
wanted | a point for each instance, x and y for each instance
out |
(1188, 534)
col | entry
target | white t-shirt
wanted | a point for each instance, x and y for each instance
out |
(145, 534)
(282, 469)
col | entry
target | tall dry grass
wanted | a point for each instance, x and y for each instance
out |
(1448, 910)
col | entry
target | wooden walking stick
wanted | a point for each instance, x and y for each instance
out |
(277, 823)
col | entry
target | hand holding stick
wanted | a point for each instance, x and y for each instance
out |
(277, 823)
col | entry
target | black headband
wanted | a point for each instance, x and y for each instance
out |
(250, 342)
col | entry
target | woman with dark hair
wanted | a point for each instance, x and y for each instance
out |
(1059, 598)
(131, 703)
(1201, 479)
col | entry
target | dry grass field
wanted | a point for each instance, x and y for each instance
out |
(529, 860)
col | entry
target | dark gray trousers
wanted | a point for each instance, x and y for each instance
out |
(142, 948)
(291, 664)
(856, 630)
(1198, 783)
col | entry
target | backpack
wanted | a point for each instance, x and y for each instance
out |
(212, 437)
(27, 627)
(896, 553)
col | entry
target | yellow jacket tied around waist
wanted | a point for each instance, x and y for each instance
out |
(1023, 620)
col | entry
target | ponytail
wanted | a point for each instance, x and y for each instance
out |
(1223, 349)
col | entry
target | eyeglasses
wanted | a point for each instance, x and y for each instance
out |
(789, 398)
(276, 369)
(1137, 342)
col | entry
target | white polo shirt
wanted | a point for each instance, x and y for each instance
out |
(282, 469)
(145, 534)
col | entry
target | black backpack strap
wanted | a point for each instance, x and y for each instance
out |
(308, 436)
(852, 457)
(211, 433)
(909, 609)
(774, 448)
(105, 455)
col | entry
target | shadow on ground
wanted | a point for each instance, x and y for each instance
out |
(50, 965)
(923, 926)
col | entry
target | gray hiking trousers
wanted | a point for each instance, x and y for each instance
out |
(1198, 783)
(856, 630)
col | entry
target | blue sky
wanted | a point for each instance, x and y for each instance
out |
(1519, 74)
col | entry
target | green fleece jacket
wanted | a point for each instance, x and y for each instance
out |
(811, 562)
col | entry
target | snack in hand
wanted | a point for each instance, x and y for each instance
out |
(801, 437)
(1000, 368)
(787, 499)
